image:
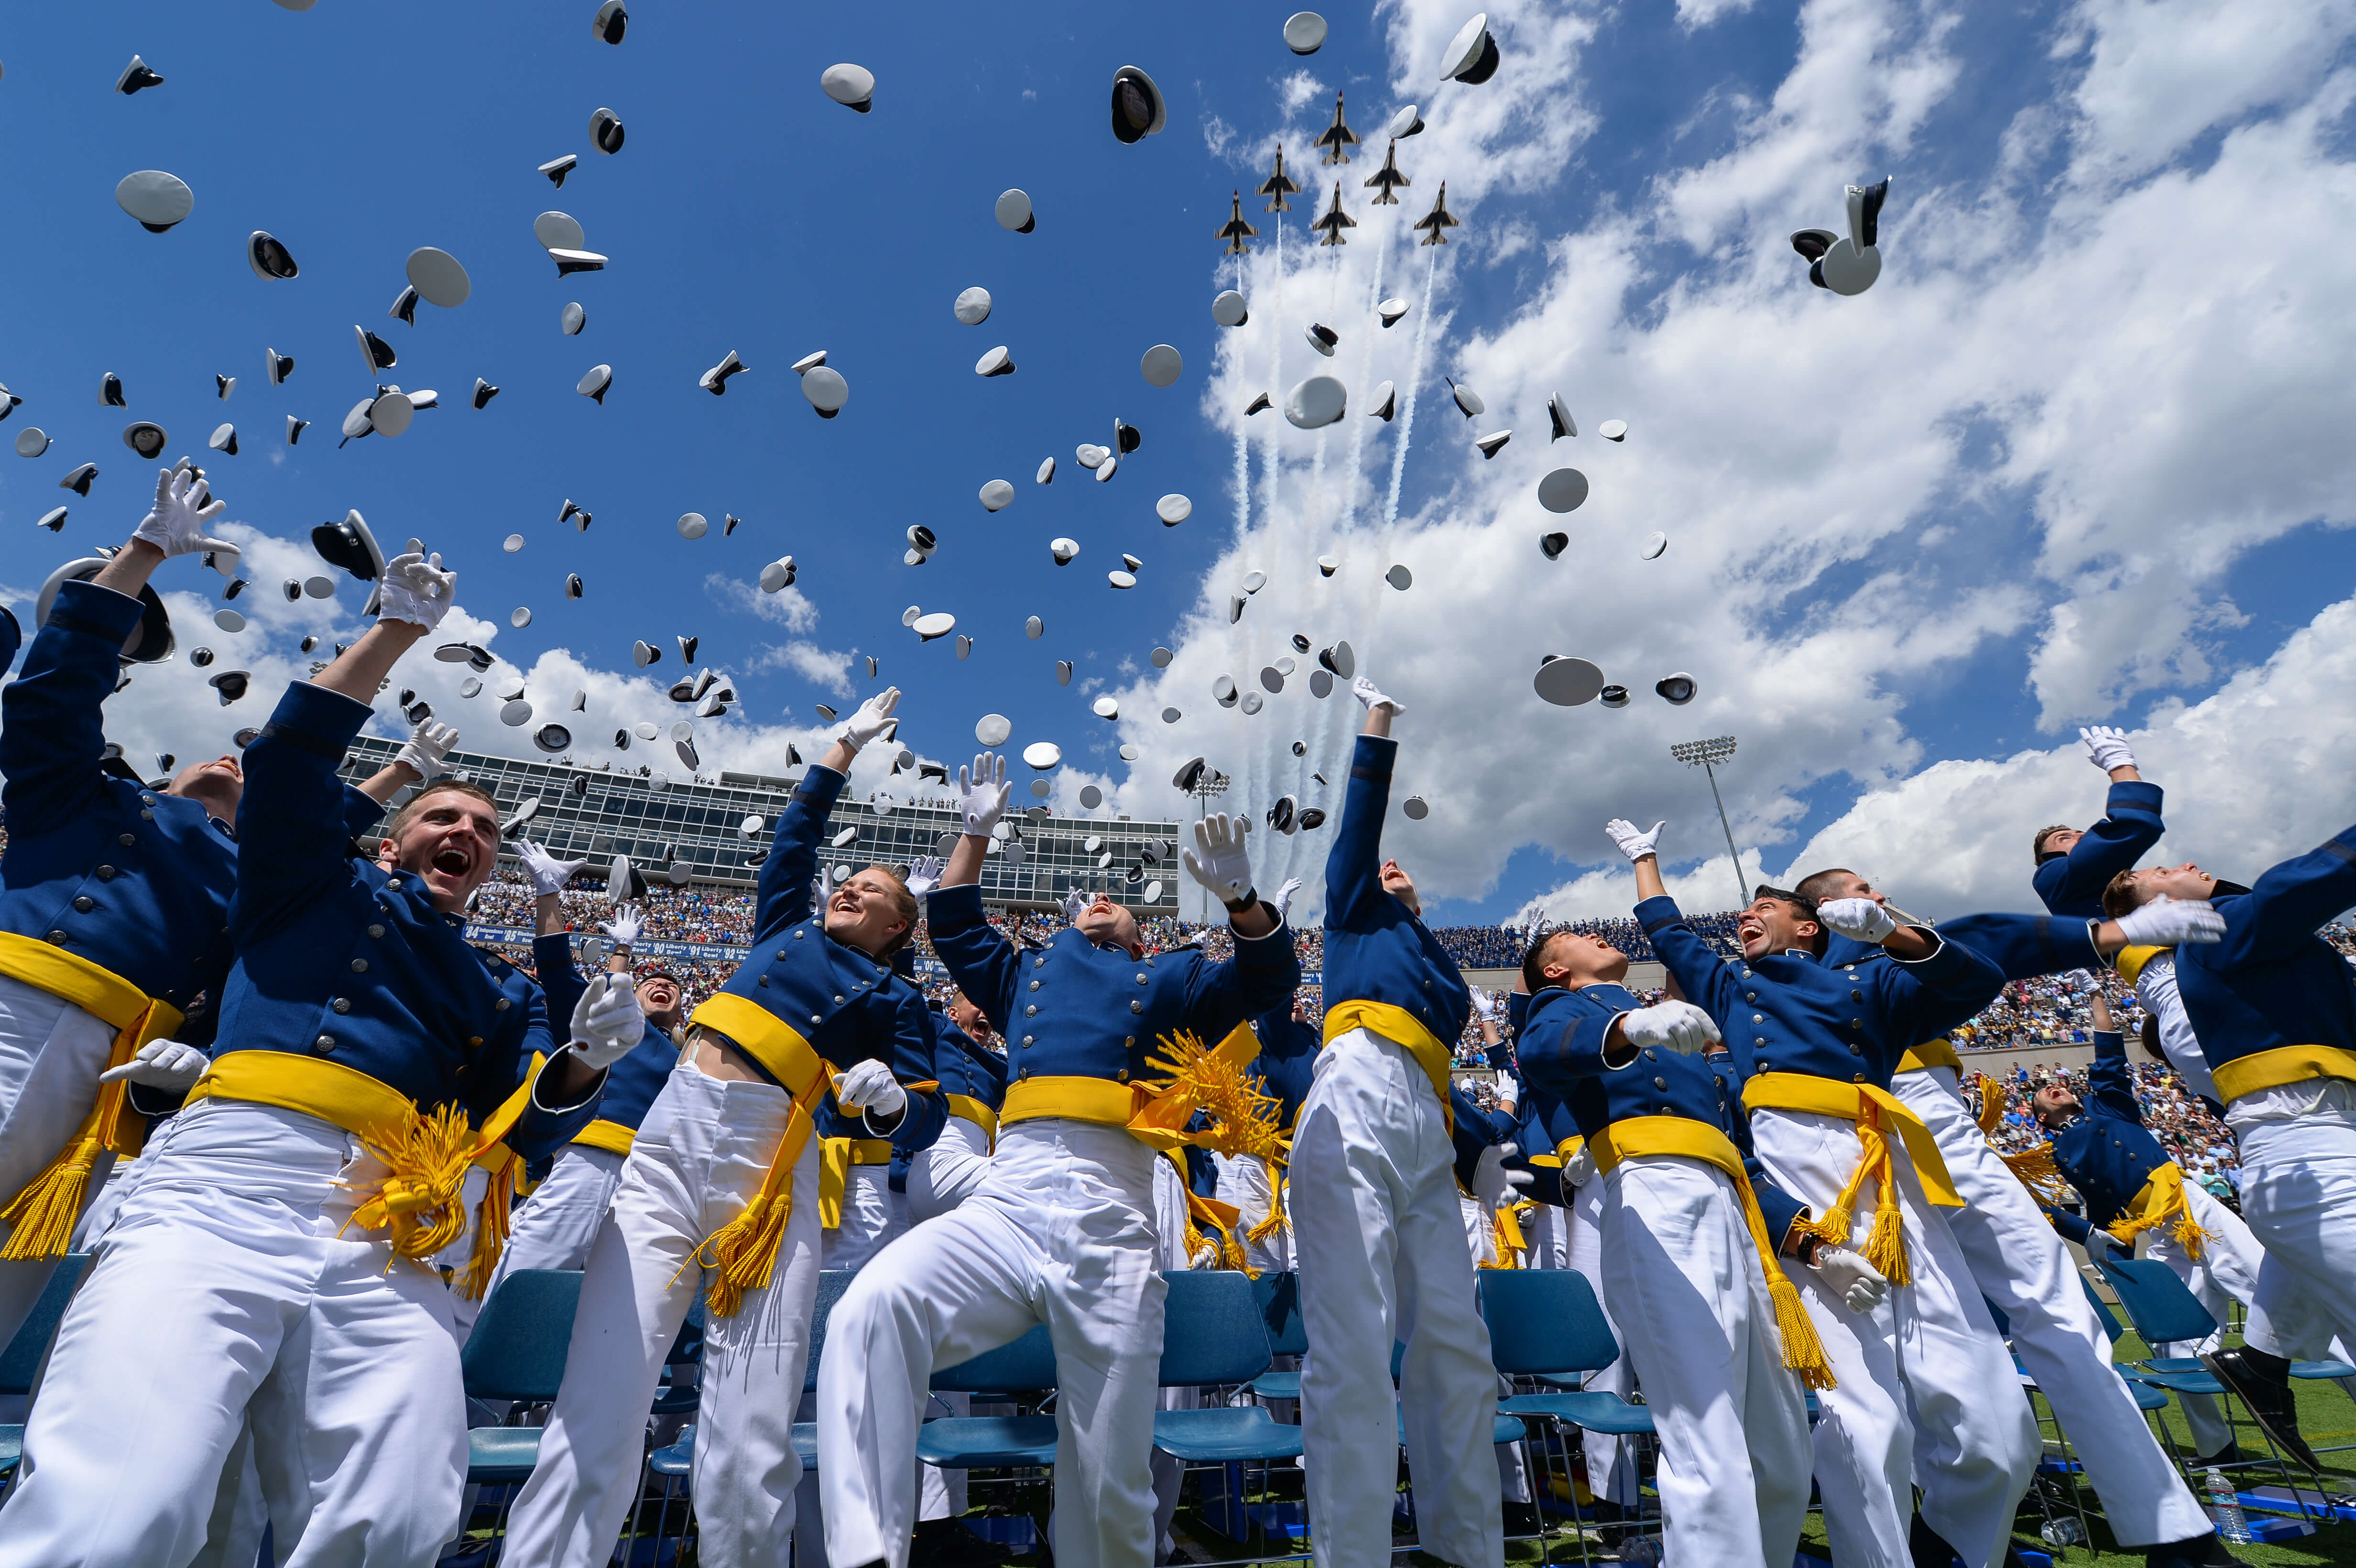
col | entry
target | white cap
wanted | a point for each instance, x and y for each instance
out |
(1013, 211)
(1399, 577)
(558, 231)
(1653, 545)
(1174, 510)
(1416, 807)
(1063, 672)
(1391, 311)
(1468, 401)
(1613, 429)
(557, 168)
(992, 728)
(438, 276)
(552, 738)
(1558, 415)
(484, 393)
(1043, 755)
(940, 624)
(1551, 546)
(1121, 579)
(1252, 703)
(1492, 444)
(1259, 401)
(1171, 716)
(853, 86)
(519, 617)
(1272, 678)
(572, 319)
(1304, 33)
(1677, 689)
(605, 130)
(1563, 490)
(1033, 628)
(1161, 366)
(1322, 337)
(157, 200)
(972, 306)
(1160, 658)
(611, 20)
(1320, 401)
(997, 495)
(1386, 402)
(516, 713)
(1105, 708)
(777, 575)
(1229, 309)
(596, 383)
(826, 389)
(1064, 550)
(33, 441)
(996, 362)
(1567, 682)
(269, 259)
(1090, 455)
(1137, 110)
(1404, 123)
(1471, 56)
(693, 525)
(1255, 581)
(1090, 797)
(513, 543)
(1047, 472)
(1327, 565)
(715, 380)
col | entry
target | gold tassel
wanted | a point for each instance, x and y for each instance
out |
(420, 1200)
(42, 1216)
(1885, 1245)
(2038, 1172)
(1803, 1352)
(1991, 1102)
(743, 1254)
(2187, 1233)
(1272, 1222)
(493, 1217)
(1215, 1082)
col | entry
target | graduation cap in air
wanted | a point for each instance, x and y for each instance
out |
(569, 262)
(613, 19)
(715, 380)
(825, 389)
(557, 168)
(54, 520)
(110, 391)
(9, 402)
(1563, 490)
(777, 575)
(78, 480)
(483, 392)
(605, 130)
(269, 258)
(1391, 311)
(1385, 406)
(224, 440)
(552, 738)
(997, 495)
(141, 436)
(1012, 210)
(278, 366)
(295, 429)
(1322, 337)
(972, 306)
(404, 305)
(853, 86)
(1137, 110)
(1320, 401)
(375, 350)
(573, 585)
(1406, 122)
(1229, 309)
(1261, 400)
(596, 383)
(1471, 56)
(1676, 690)
(136, 78)
(350, 545)
(996, 362)
(159, 200)
(1304, 32)
(150, 643)
(572, 319)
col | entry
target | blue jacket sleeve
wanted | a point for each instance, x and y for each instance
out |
(783, 895)
(2024, 946)
(2074, 1227)
(1354, 870)
(1778, 1208)
(1517, 1013)
(984, 965)
(915, 1039)
(1707, 979)
(1475, 1131)
(1264, 973)
(53, 735)
(542, 1129)
(2283, 908)
(2111, 1080)
(560, 977)
(293, 841)
(1932, 990)
(2130, 826)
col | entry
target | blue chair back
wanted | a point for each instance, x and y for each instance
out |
(831, 1284)
(1544, 1320)
(688, 1349)
(2102, 1313)
(1028, 1362)
(1211, 1330)
(518, 1348)
(1278, 1295)
(20, 1363)
(2159, 1305)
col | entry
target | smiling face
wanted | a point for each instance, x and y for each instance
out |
(1573, 959)
(216, 785)
(1401, 886)
(1106, 922)
(659, 997)
(966, 1017)
(448, 839)
(1773, 925)
(2186, 881)
(872, 911)
(2054, 1102)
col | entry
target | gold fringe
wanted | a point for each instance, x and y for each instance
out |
(420, 1200)
(42, 1216)
(1215, 1082)
(2038, 1172)
(1803, 1352)
(1273, 1220)
(1885, 1246)
(1991, 1102)
(493, 1221)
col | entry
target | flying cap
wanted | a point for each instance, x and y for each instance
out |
(1121, 579)
(1551, 546)
(436, 275)
(136, 77)
(54, 520)
(1090, 797)
(483, 392)
(1567, 682)
(1653, 545)
(1043, 755)
(1399, 577)
(1252, 703)
(229, 620)
(557, 168)
(1312, 819)
(159, 200)
(558, 231)
(826, 390)
(1564, 490)
(1160, 658)
(1304, 32)
(1228, 309)
(1677, 689)
(1341, 659)
(1327, 565)
(1492, 443)
(375, 350)
(1013, 211)
(997, 495)
(1392, 311)
(78, 480)
(996, 362)
(1259, 402)
(1468, 401)
(1615, 696)
(1174, 510)
(570, 260)
(519, 617)
(1320, 401)
(1033, 628)
(1272, 678)
(151, 643)
(1161, 366)
(109, 390)
(224, 439)
(611, 20)
(1613, 429)
(515, 713)
(572, 319)
(1255, 581)
(230, 684)
(1558, 416)
(940, 624)
(1137, 110)
(350, 545)
(1416, 807)
(693, 525)
(993, 729)
(33, 441)
(596, 383)
(1064, 550)
(1280, 815)
(268, 258)
(1063, 672)
(1322, 337)
(1471, 56)
(853, 86)
(1404, 123)
(552, 738)
(777, 575)
(605, 130)
(573, 585)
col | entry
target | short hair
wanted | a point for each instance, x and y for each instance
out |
(1533, 963)
(2120, 896)
(1815, 884)
(416, 803)
(2037, 849)
(2152, 1037)
(642, 973)
(904, 903)
(1799, 901)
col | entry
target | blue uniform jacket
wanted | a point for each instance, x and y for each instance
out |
(1561, 1046)
(2271, 981)
(849, 1007)
(2073, 884)
(2107, 1153)
(1376, 950)
(2021, 947)
(631, 1083)
(1793, 1012)
(1072, 1010)
(968, 1067)
(338, 959)
(1288, 1058)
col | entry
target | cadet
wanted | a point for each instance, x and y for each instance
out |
(2074, 866)
(971, 1062)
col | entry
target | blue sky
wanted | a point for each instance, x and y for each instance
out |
(1908, 528)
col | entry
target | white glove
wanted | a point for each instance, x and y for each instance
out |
(2107, 748)
(2100, 1244)
(1859, 1282)
(182, 507)
(606, 1022)
(1368, 695)
(548, 873)
(982, 793)
(868, 1085)
(1580, 1168)
(1284, 896)
(1493, 1185)
(1480, 1002)
(1634, 844)
(1076, 905)
(1859, 920)
(416, 589)
(629, 919)
(2169, 922)
(925, 875)
(1223, 867)
(1509, 1097)
(161, 1064)
(1676, 1026)
(427, 745)
(1206, 1254)
(873, 717)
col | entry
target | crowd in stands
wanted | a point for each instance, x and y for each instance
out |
(2196, 1140)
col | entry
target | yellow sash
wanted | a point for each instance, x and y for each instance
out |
(1506, 1236)
(1401, 1028)
(427, 1153)
(42, 1216)
(743, 1254)
(1876, 1112)
(611, 1136)
(2160, 1202)
(1803, 1351)
(1208, 1214)
(966, 1107)
(2283, 1065)
(1931, 1053)
(2131, 960)
(835, 1159)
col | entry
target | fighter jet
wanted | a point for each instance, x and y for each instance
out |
(1439, 221)
(1338, 138)
(1236, 231)
(1278, 185)
(1334, 220)
(1388, 181)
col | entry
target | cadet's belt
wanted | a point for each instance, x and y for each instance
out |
(2161, 1201)
(1159, 1113)
(42, 1216)
(611, 1136)
(1931, 1053)
(975, 1111)
(835, 1159)
(2131, 960)
(2283, 1065)
(743, 1254)
(1400, 1027)
(1803, 1351)
(427, 1154)
(1875, 1112)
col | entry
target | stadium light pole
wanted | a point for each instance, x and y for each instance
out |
(1209, 787)
(1704, 754)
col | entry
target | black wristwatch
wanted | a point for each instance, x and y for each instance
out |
(1249, 901)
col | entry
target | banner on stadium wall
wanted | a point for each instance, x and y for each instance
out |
(701, 952)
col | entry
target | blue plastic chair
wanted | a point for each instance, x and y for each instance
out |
(20, 1363)
(1215, 1334)
(995, 1442)
(1280, 1298)
(1546, 1324)
(517, 1352)
(2147, 1398)
(2162, 1311)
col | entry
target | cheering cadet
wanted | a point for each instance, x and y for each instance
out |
(2275, 1009)
(2074, 866)
(1690, 1229)
(1061, 1229)
(813, 1036)
(263, 1271)
(1915, 1371)
(971, 1062)
(2016, 1260)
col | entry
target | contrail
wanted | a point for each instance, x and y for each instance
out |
(1243, 447)
(1365, 363)
(1407, 420)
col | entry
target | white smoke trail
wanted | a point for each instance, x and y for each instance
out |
(1366, 330)
(1407, 419)
(1243, 446)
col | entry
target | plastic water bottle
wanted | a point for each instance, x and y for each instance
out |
(2224, 1507)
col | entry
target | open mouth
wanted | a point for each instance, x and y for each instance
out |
(452, 862)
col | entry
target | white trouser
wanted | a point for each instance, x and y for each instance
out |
(227, 1293)
(944, 1176)
(1060, 1233)
(2018, 1263)
(699, 1157)
(553, 1228)
(2298, 1197)
(874, 1216)
(1926, 1388)
(1383, 1260)
(1610, 1460)
(1481, 1238)
(51, 1054)
(1171, 1252)
(1549, 1236)
(1700, 1327)
(459, 1255)
(1244, 1183)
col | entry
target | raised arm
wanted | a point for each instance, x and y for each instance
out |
(782, 895)
(2110, 1082)
(1262, 975)
(2130, 827)
(2283, 909)
(53, 733)
(1355, 899)
(983, 964)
